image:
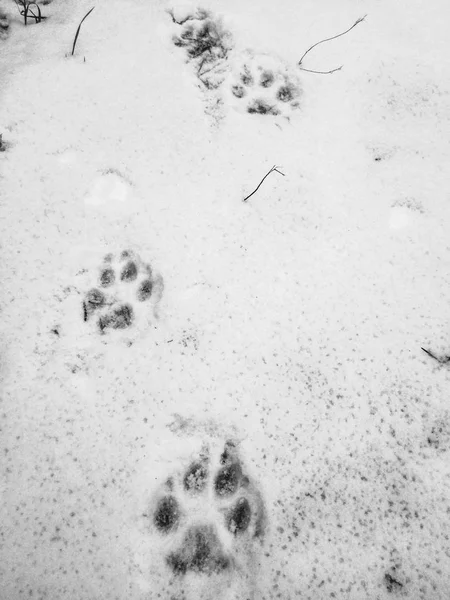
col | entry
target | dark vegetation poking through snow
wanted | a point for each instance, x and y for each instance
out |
(29, 10)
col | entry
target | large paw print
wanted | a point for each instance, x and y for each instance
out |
(261, 84)
(124, 288)
(210, 517)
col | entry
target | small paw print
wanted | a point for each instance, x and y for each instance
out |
(123, 289)
(209, 518)
(262, 85)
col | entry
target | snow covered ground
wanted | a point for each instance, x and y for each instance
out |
(282, 339)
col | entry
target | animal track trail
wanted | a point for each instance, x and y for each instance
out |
(248, 82)
(207, 522)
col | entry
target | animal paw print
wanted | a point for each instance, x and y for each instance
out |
(124, 288)
(206, 43)
(261, 84)
(209, 518)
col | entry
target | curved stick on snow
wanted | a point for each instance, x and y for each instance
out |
(274, 168)
(79, 27)
(322, 72)
(27, 10)
(442, 361)
(357, 22)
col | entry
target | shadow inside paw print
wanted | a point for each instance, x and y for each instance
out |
(261, 107)
(4, 24)
(209, 515)
(167, 514)
(200, 552)
(123, 288)
(119, 318)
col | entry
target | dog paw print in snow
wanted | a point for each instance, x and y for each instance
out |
(208, 523)
(206, 43)
(124, 292)
(262, 84)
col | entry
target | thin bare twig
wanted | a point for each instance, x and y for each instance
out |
(201, 71)
(442, 361)
(322, 72)
(357, 22)
(200, 15)
(274, 168)
(38, 17)
(79, 27)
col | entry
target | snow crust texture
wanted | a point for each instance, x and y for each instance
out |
(277, 427)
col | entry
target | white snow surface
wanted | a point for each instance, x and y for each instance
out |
(292, 323)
